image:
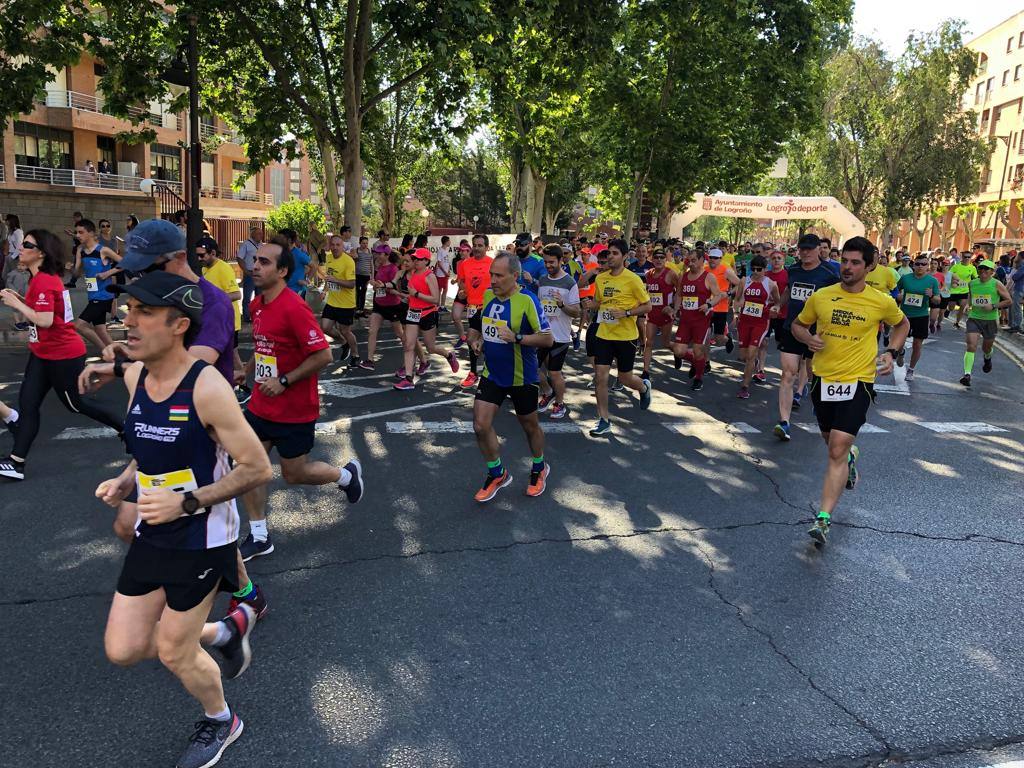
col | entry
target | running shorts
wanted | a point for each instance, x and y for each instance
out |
(394, 313)
(987, 328)
(186, 576)
(844, 415)
(719, 322)
(553, 357)
(290, 439)
(96, 312)
(694, 328)
(621, 351)
(919, 327)
(659, 318)
(342, 316)
(425, 322)
(790, 346)
(752, 333)
(524, 397)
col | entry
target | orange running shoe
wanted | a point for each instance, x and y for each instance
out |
(492, 485)
(538, 481)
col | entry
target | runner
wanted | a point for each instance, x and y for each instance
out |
(387, 304)
(400, 286)
(443, 269)
(560, 299)
(661, 283)
(289, 351)
(777, 274)
(222, 275)
(474, 277)
(961, 274)
(183, 425)
(339, 273)
(755, 306)
(987, 296)
(727, 282)
(508, 331)
(919, 293)
(620, 297)
(99, 266)
(697, 294)
(9, 416)
(421, 319)
(56, 353)
(942, 277)
(805, 277)
(846, 362)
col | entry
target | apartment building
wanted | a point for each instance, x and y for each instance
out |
(65, 156)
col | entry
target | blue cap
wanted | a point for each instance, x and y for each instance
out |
(149, 241)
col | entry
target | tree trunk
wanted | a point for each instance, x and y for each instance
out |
(664, 214)
(536, 193)
(550, 219)
(515, 192)
(330, 182)
(634, 204)
(917, 230)
(352, 167)
(388, 206)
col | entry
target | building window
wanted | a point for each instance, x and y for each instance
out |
(295, 178)
(1020, 40)
(42, 147)
(105, 148)
(164, 162)
(98, 69)
(277, 185)
(1016, 72)
(1006, 77)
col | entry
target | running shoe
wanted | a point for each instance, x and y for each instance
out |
(459, 344)
(354, 489)
(453, 361)
(797, 397)
(697, 385)
(256, 600)
(251, 548)
(910, 374)
(781, 431)
(728, 345)
(576, 341)
(366, 365)
(743, 394)
(617, 386)
(400, 373)
(760, 378)
(470, 380)
(677, 361)
(819, 531)
(544, 402)
(243, 394)
(492, 485)
(986, 367)
(422, 367)
(538, 481)
(346, 353)
(645, 396)
(558, 411)
(851, 461)
(965, 380)
(22, 326)
(404, 384)
(236, 653)
(11, 469)
(901, 358)
(603, 427)
(692, 372)
(208, 742)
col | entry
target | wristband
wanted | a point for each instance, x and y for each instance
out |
(895, 353)
(119, 368)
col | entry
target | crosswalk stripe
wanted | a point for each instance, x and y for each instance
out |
(970, 427)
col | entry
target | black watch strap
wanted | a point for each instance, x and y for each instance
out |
(190, 504)
(894, 352)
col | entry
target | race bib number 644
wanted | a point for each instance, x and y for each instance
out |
(837, 391)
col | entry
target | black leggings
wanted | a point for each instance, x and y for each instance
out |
(361, 282)
(62, 377)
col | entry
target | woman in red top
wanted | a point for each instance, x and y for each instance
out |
(56, 351)
(421, 319)
(756, 304)
(661, 283)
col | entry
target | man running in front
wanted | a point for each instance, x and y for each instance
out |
(845, 364)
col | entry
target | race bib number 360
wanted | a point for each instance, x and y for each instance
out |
(837, 391)
(266, 367)
(489, 329)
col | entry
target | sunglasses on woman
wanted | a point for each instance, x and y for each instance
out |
(29, 246)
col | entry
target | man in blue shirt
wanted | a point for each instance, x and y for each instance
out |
(531, 264)
(297, 280)
(99, 265)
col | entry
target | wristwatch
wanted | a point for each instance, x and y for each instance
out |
(189, 504)
(894, 352)
(627, 313)
(519, 338)
(282, 380)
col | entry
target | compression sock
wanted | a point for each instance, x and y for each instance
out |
(494, 468)
(823, 515)
(244, 592)
(698, 367)
(538, 463)
(472, 362)
(968, 362)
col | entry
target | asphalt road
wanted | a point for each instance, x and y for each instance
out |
(660, 605)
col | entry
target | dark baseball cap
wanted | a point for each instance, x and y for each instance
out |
(208, 243)
(149, 241)
(162, 289)
(810, 240)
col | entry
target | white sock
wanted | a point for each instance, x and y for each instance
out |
(12, 418)
(258, 529)
(345, 479)
(222, 717)
(223, 634)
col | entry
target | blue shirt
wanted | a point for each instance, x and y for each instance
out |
(536, 269)
(804, 282)
(299, 273)
(509, 364)
(92, 265)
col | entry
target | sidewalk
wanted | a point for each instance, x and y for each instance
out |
(1012, 345)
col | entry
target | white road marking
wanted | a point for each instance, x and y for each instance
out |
(971, 427)
(84, 433)
(466, 427)
(813, 427)
(1014, 764)
(893, 389)
(347, 390)
(743, 428)
(332, 427)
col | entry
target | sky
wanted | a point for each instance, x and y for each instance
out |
(890, 20)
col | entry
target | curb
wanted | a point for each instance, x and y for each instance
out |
(1012, 350)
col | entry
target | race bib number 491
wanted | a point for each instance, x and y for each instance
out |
(489, 329)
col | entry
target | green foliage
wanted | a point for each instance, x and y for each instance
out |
(305, 217)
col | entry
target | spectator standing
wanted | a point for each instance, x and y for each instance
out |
(12, 245)
(299, 277)
(364, 272)
(75, 249)
(246, 257)
(1017, 294)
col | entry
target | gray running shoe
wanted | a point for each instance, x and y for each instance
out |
(208, 742)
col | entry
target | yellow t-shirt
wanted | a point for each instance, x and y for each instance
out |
(623, 291)
(223, 276)
(340, 268)
(848, 323)
(677, 268)
(729, 259)
(883, 278)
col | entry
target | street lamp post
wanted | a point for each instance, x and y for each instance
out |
(476, 218)
(1002, 182)
(425, 215)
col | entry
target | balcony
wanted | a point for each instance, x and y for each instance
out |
(3, 178)
(226, 193)
(67, 177)
(93, 103)
(207, 130)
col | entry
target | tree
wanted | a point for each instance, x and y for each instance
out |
(305, 217)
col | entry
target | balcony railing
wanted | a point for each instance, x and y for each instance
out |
(67, 177)
(226, 193)
(206, 130)
(3, 178)
(93, 103)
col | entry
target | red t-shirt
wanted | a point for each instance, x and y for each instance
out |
(781, 279)
(475, 278)
(285, 333)
(46, 293)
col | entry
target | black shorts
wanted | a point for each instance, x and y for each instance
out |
(341, 316)
(791, 346)
(958, 298)
(775, 326)
(96, 312)
(236, 339)
(290, 440)
(186, 576)
(943, 302)
(426, 322)
(392, 314)
(553, 357)
(591, 339)
(919, 327)
(524, 397)
(623, 352)
(845, 415)
(719, 321)
(460, 300)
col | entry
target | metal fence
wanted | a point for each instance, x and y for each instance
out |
(94, 103)
(227, 193)
(68, 177)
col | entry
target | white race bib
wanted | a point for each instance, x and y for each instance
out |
(69, 311)
(380, 293)
(837, 391)
(605, 316)
(957, 282)
(92, 284)
(801, 291)
(413, 316)
(981, 302)
(266, 367)
(550, 307)
(913, 300)
(179, 481)
(750, 309)
(33, 334)
(691, 303)
(332, 285)
(657, 300)
(489, 329)
(471, 311)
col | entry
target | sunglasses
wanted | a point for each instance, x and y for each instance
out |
(26, 245)
(104, 226)
(757, 269)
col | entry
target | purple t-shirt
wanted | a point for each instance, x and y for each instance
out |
(218, 329)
